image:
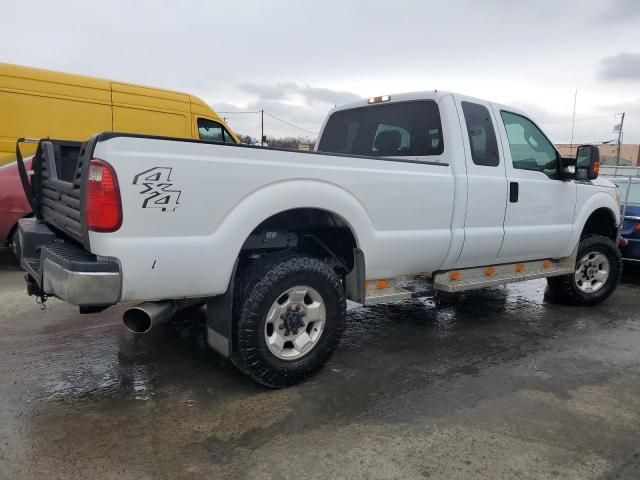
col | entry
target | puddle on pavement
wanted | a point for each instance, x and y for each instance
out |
(111, 363)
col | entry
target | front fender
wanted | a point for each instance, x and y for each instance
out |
(584, 211)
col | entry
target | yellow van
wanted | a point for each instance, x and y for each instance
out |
(36, 103)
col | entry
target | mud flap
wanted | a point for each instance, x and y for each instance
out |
(219, 319)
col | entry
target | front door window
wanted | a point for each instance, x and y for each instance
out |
(530, 148)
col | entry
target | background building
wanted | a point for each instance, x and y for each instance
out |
(629, 153)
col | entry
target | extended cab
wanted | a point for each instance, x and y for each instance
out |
(404, 193)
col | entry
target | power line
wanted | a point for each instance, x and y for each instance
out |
(581, 119)
(242, 112)
(291, 124)
(599, 134)
(275, 118)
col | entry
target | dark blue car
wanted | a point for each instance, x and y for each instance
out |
(631, 226)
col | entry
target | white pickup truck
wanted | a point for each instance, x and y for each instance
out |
(404, 193)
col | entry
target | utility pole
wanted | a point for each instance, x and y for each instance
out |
(262, 128)
(620, 138)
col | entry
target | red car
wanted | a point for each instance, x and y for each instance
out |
(13, 202)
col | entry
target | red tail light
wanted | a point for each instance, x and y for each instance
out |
(103, 207)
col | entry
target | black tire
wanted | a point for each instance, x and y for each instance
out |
(13, 243)
(565, 289)
(261, 285)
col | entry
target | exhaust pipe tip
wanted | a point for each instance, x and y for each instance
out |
(144, 316)
(137, 320)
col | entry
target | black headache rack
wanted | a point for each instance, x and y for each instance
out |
(56, 189)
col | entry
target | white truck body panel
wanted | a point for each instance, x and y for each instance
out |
(396, 210)
(409, 215)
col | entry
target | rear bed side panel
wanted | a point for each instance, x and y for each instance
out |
(189, 206)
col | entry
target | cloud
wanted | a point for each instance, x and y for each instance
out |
(300, 109)
(275, 52)
(624, 66)
(539, 114)
(310, 95)
(624, 10)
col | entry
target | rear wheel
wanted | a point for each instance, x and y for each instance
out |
(291, 316)
(597, 274)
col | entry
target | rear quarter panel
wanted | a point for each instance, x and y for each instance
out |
(399, 212)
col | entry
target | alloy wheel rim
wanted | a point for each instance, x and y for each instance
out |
(295, 322)
(592, 272)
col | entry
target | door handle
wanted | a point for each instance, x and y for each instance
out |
(513, 192)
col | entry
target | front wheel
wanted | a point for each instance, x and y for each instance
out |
(291, 316)
(598, 272)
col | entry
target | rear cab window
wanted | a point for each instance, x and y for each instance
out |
(213, 131)
(402, 129)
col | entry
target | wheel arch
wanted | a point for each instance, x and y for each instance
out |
(599, 214)
(316, 230)
(601, 221)
(299, 204)
(14, 227)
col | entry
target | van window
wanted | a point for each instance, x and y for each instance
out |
(213, 131)
(482, 137)
(403, 129)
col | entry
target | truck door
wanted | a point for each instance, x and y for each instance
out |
(539, 215)
(486, 184)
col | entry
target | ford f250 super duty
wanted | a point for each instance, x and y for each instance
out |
(404, 193)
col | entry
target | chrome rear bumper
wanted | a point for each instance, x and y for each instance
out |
(65, 270)
(80, 288)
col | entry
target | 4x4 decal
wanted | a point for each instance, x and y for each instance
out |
(157, 181)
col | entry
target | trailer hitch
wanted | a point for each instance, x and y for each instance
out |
(33, 289)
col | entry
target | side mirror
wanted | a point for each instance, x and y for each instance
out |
(587, 162)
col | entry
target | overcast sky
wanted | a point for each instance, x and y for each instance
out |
(296, 59)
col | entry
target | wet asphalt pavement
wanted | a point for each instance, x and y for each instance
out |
(498, 383)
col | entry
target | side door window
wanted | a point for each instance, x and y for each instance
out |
(482, 137)
(213, 131)
(530, 148)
